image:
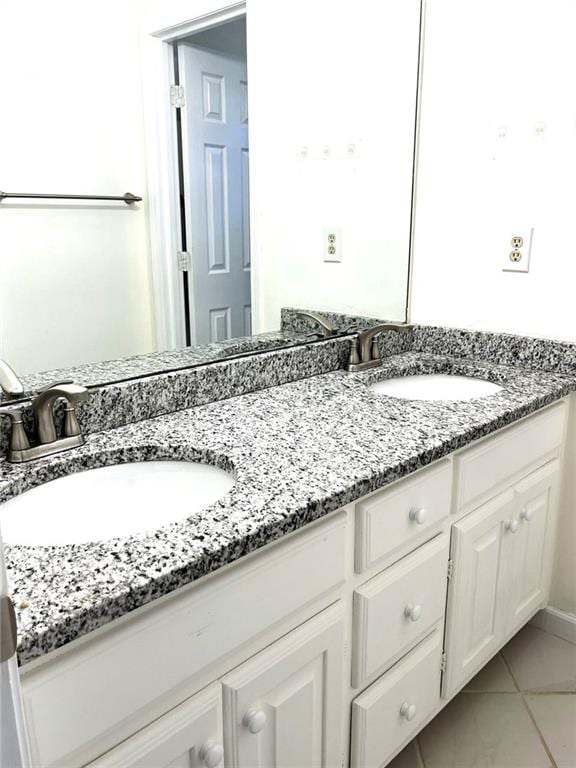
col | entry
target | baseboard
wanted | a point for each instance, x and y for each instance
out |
(557, 623)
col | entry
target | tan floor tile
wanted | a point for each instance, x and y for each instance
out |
(555, 716)
(541, 662)
(483, 730)
(408, 758)
(493, 678)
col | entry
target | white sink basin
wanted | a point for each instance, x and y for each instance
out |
(104, 503)
(436, 387)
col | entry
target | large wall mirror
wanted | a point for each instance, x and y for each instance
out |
(274, 157)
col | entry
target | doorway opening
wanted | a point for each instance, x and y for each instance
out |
(211, 91)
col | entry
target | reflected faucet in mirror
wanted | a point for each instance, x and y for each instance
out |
(10, 384)
(326, 327)
(48, 442)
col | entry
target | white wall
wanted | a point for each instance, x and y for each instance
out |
(74, 283)
(491, 65)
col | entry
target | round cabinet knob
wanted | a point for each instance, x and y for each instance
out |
(413, 612)
(418, 516)
(254, 720)
(408, 711)
(526, 515)
(512, 525)
(211, 754)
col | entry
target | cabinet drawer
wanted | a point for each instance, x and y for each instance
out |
(391, 710)
(152, 657)
(397, 608)
(483, 471)
(393, 521)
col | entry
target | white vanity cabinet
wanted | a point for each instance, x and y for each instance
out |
(501, 551)
(284, 706)
(343, 639)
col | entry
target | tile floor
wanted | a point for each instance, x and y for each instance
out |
(518, 712)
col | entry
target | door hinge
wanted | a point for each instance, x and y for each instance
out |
(184, 261)
(8, 631)
(443, 662)
(177, 96)
(450, 569)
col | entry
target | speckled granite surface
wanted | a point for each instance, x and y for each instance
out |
(505, 348)
(298, 452)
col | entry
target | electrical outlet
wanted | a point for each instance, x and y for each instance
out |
(518, 251)
(332, 245)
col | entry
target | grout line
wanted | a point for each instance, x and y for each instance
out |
(482, 693)
(509, 671)
(541, 737)
(530, 715)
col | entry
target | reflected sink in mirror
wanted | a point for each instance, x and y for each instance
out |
(436, 387)
(109, 502)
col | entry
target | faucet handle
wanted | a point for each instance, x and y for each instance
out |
(18, 437)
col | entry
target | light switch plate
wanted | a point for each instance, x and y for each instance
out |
(518, 250)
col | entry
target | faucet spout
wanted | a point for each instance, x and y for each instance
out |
(43, 407)
(326, 327)
(368, 354)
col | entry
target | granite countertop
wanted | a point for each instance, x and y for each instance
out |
(298, 451)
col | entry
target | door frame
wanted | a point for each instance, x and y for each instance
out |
(163, 205)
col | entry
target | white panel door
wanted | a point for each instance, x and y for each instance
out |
(215, 153)
(189, 736)
(477, 596)
(529, 563)
(283, 708)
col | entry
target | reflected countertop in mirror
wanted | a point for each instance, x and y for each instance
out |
(122, 369)
(296, 329)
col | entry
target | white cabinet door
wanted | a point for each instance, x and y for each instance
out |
(189, 736)
(477, 593)
(283, 708)
(535, 498)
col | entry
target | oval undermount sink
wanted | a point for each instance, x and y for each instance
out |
(436, 387)
(108, 502)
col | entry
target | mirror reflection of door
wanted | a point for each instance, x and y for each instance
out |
(214, 140)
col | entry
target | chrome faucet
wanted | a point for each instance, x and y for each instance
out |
(10, 384)
(48, 441)
(326, 328)
(364, 352)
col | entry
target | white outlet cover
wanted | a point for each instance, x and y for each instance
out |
(336, 233)
(526, 233)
